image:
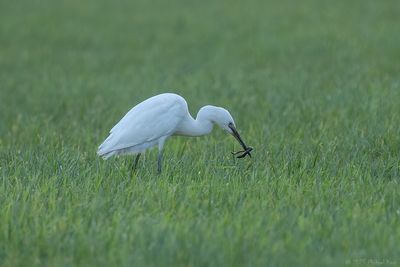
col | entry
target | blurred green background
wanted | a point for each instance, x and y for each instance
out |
(314, 86)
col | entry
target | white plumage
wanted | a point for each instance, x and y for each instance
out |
(144, 125)
(152, 121)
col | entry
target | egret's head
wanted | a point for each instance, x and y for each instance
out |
(223, 118)
(217, 115)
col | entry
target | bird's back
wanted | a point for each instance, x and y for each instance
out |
(144, 124)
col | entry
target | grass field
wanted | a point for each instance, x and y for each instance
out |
(314, 87)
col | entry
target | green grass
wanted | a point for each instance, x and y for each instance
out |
(314, 87)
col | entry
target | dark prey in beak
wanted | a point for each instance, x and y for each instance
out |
(246, 149)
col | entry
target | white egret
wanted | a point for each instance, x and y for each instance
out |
(154, 120)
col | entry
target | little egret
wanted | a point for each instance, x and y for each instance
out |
(154, 120)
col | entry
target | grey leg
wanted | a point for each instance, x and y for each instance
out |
(161, 142)
(134, 164)
(159, 160)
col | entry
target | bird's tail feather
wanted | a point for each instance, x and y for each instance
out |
(105, 149)
(109, 148)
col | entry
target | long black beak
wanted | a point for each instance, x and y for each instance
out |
(246, 150)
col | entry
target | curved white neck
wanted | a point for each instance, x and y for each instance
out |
(202, 125)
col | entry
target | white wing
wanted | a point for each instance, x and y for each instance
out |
(145, 123)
